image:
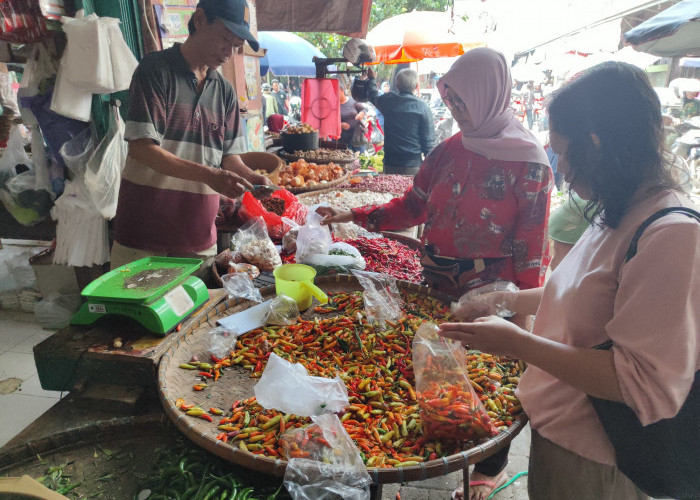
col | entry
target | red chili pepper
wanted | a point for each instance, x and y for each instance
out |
(206, 417)
(205, 374)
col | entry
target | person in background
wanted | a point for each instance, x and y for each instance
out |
(408, 124)
(646, 306)
(275, 123)
(281, 96)
(351, 115)
(529, 103)
(484, 198)
(269, 103)
(385, 88)
(566, 225)
(690, 103)
(184, 134)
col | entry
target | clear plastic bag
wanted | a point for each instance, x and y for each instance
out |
(283, 311)
(289, 388)
(289, 240)
(56, 310)
(495, 298)
(313, 238)
(381, 296)
(103, 171)
(252, 242)
(240, 285)
(450, 409)
(341, 258)
(324, 463)
(77, 151)
(222, 341)
(13, 155)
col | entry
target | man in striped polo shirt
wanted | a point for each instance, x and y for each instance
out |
(184, 133)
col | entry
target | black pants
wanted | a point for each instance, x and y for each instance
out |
(391, 170)
(494, 464)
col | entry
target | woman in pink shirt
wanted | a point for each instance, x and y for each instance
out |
(606, 126)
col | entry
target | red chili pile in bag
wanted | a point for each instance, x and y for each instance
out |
(252, 207)
(384, 255)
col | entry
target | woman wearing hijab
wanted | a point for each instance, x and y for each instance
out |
(483, 196)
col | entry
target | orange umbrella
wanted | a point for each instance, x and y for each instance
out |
(422, 34)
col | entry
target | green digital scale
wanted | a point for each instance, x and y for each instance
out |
(158, 292)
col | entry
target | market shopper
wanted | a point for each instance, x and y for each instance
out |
(184, 134)
(607, 127)
(484, 198)
(269, 102)
(351, 115)
(408, 123)
(281, 96)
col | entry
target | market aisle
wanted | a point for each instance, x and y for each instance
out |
(22, 399)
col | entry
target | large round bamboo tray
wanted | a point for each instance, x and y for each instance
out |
(318, 187)
(174, 383)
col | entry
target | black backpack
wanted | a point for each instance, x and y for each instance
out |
(661, 459)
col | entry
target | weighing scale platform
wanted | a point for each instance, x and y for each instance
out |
(158, 292)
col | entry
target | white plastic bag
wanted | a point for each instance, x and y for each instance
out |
(313, 238)
(332, 467)
(14, 155)
(381, 296)
(39, 67)
(103, 172)
(253, 243)
(479, 304)
(123, 61)
(77, 151)
(341, 258)
(87, 61)
(289, 388)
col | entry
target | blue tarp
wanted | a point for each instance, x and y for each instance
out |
(287, 54)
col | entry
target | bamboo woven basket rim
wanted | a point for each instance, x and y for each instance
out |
(305, 189)
(200, 431)
(90, 433)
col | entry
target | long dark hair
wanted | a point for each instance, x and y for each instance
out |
(616, 102)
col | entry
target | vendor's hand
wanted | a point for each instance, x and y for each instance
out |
(345, 126)
(227, 183)
(334, 215)
(491, 334)
(260, 179)
(484, 305)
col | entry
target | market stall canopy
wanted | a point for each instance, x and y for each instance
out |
(345, 17)
(287, 54)
(675, 32)
(422, 34)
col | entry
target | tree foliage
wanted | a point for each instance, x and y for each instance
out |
(331, 44)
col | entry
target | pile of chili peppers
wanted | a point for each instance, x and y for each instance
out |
(384, 255)
(383, 418)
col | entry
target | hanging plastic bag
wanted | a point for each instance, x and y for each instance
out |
(123, 61)
(240, 285)
(283, 311)
(13, 156)
(222, 341)
(87, 61)
(450, 409)
(40, 67)
(381, 296)
(77, 151)
(41, 163)
(252, 207)
(103, 172)
(252, 242)
(323, 462)
(289, 388)
(341, 258)
(313, 238)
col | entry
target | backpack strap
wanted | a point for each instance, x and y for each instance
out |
(632, 250)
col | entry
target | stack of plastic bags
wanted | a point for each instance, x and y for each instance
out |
(96, 60)
(81, 231)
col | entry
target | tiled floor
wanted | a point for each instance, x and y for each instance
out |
(19, 333)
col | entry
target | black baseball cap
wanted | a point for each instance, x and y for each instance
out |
(235, 15)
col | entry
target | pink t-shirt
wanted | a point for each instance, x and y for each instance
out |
(649, 307)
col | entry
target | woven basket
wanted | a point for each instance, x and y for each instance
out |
(174, 383)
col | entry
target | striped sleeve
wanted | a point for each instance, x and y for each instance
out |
(234, 140)
(147, 105)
